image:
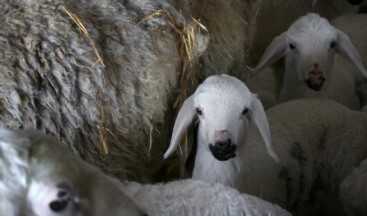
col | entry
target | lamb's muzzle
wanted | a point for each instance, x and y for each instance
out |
(223, 150)
(315, 82)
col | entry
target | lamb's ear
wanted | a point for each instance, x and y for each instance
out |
(183, 120)
(346, 49)
(258, 117)
(273, 52)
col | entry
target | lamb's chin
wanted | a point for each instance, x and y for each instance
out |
(315, 85)
(223, 154)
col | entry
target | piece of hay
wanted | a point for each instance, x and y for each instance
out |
(82, 27)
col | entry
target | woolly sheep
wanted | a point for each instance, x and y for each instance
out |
(230, 31)
(128, 103)
(51, 79)
(58, 183)
(316, 143)
(353, 191)
(311, 67)
(193, 197)
(40, 177)
(117, 117)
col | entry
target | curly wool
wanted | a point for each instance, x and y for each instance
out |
(51, 81)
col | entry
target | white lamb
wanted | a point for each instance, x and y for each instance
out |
(274, 17)
(318, 142)
(192, 197)
(311, 67)
(353, 191)
(40, 177)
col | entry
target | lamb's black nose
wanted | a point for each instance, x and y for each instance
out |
(355, 2)
(223, 145)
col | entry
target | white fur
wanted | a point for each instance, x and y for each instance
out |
(13, 172)
(274, 17)
(34, 168)
(353, 191)
(318, 141)
(50, 169)
(312, 35)
(192, 197)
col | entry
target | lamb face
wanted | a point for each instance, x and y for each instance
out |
(48, 199)
(59, 196)
(56, 182)
(75, 188)
(224, 107)
(222, 110)
(311, 47)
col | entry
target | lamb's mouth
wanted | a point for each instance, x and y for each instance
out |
(315, 84)
(223, 154)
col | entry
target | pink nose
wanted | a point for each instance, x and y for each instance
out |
(221, 135)
(315, 75)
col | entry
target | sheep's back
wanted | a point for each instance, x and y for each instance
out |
(328, 141)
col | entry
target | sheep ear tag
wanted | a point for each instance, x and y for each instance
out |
(183, 121)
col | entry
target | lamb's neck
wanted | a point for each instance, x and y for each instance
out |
(209, 169)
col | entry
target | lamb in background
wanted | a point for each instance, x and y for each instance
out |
(40, 177)
(274, 17)
(311, 67)
(353, 191)
(314, 144)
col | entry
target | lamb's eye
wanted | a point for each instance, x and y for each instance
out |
(245, 111)
(332, 44)
(292, 46)
(199, 111)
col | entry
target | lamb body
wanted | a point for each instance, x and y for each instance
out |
(311, 67)
(353, 191)
(317, 142)
(193, 197)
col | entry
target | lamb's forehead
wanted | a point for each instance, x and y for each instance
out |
(311, 25)
(224, 87)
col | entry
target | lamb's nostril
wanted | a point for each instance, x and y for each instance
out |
(315, 74)
(224, 145)
(316, 65)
